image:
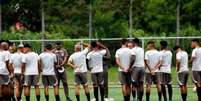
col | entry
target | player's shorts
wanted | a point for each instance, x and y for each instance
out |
(49, 80)
(31, 80)
(150, 79)
(81, 78)
(124, 78)
(196, 76)
(18, 79)
(4, 79)
(137, 74)
(183, 78)
(97, 78)
(165, 78)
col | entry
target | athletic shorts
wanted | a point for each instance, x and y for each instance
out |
(165, 78)
(49, 80)
(18, 79)
(31, 80)
(137, 74)
(183, 78)
(150, 79)
(124, 78)
(81, 78)
(97, 78)
(4, 79)
(196, 76)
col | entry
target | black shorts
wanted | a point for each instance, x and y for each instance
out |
(49, 80)
(196, 76)
(18, 79)
(124, 78)
(152, 78)
(165, 78)
(97, 78)
(137, 74)
(81, 78)
(183, 78)
(31, 80)
(4, 79)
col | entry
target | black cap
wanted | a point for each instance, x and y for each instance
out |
(26, 45)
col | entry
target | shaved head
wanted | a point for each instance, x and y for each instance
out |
(4, 45)
(77, 47)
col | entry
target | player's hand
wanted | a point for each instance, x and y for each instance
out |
(21, 76)
(77, 70)
(125, 70)
(11, 76)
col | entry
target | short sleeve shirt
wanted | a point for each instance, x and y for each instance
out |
(196, 66)
(4, 56)
(16, 61)
(182, 56)
(166, 58)
(139, 57)
(153, 57)
(60, 54)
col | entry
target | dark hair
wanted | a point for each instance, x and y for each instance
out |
(176, 47)
(136, 41)
(48, 46)
(195, 40)
(150, 42)
(26, 45)
(100, 40)
(124, 41)
(164, 44)
(94, 44)
(58, 43)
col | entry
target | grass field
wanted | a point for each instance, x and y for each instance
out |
(115, 90)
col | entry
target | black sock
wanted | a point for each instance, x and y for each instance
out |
(140, 95)
(134, 94)
(128, 97)
(57, 97)
(102, 90)
(164, 92)
(27, 98)
(18, 98)
(170, 91)
(96, 93)
(38, 97)
(125, 98)
(198, 93)
(184, 95)
(88, 96)
(159, 96)
(47, 97)
(78, 97)
(147, 96)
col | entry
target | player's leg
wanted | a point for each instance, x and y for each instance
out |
(77, 86)
(65, 85)
(122, 80)
(169, 85)
(101, 85)
(140, 80)
(1, 96)
(158, 85)
(27, 84)
(45, 83)
(84, 82)
(35, 82)
(17, 87)
(163, 89)
(148, 85)
(105, 76)
(95, 85)
(54, 82)
(197, 80)
(182, 79)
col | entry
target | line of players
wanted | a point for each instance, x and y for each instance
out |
(130, 59)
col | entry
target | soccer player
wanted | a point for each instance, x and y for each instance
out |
(95, 61)
(106, 59)
(152, 61)
(130, 44)
(5, 72)
(196, 66)
(47, 61)
(165, 70)
(123, 60)
(31, 72)
(78, 62)
(16, 62)
(60, 71)
(137, 70)
(182, 70)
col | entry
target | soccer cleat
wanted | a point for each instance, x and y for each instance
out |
(68, 99)
(93, 99)
(106, 99)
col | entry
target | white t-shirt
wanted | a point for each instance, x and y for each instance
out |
(196, 66)
(139, 57)
(16, 61)
(183, 57)
(124, 55)
(31, 60)
(166, 58)
(4, 56)
(47, 60)
(79, 60)
(153, 57)
(96, 60)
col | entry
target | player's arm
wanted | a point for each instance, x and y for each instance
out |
(65, 59)
(40, 66)
(118, 63)
(178, 64)
(9, 68)
(70, 63)
(23, 68)
(133, 57)
(159, 64)
(147, 65)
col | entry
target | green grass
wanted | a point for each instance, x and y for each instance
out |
(115, 90)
